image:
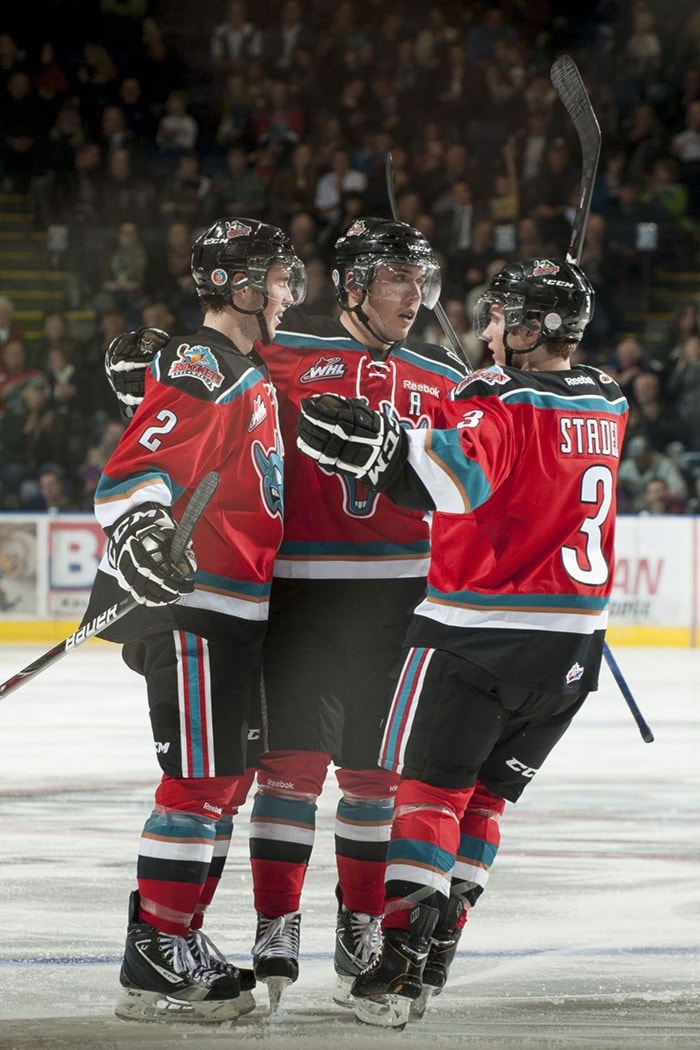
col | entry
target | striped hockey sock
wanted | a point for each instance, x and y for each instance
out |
(175, 854)
(362, 831)
(281, 839)
(224, 833)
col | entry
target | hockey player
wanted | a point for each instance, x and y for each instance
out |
(503, 650)
(350, 570)
(196, 636)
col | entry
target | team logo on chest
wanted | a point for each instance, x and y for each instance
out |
(196, 362)
(324, 368)
(269, 466)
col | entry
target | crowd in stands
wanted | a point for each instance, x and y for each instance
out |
(134, 124)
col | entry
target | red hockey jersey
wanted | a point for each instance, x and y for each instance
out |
(334, 527)
(523, 479)
(207, 407)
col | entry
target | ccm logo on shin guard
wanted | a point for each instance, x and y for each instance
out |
(520, 767)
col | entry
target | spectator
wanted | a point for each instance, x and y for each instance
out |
(235, 126)
(280, 40)
(548, 197)
(8, 330)
(239, 190)
(683, 389)
(234, 41)
(15, 372)
(22, 121)
(54, 492)
(639, 464)
(650, 415)
(644, 142)
(293, 188)
(31, 435)
(123, 269)
(629, 360)
(54, 336)
(177, 129)
(331, 186)
(282, 123)
(185, 195)
(125, 196)
(656, 499)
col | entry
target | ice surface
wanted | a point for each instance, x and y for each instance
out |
(587, 935)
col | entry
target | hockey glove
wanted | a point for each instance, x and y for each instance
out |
(139, 550)
(126, 361)
(344, 435)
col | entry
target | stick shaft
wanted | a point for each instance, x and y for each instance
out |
(193, 512)
(647, 735)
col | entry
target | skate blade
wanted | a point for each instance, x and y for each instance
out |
(419, 1006)
(275, 988)
(341, 992)
(391, 1011)
(136, 1005)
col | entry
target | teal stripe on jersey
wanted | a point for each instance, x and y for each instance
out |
(446, 446)
(578, 402)
(229, 586)
(108, 487)
(247, 381)
(301, 548)
(425, 854)
(426, 364)
(520, 601)
(308, 342)
(194, 725)
(180, 826)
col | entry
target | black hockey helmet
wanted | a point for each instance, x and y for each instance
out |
(555, 294)
(247, 246)
(370, 243)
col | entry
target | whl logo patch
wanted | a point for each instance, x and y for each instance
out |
(324, 368)
(197, 362)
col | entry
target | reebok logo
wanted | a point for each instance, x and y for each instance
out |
(216, 810)
(289, 784)
(579, 381)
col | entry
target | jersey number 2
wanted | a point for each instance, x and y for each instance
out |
(596, 490)
(150, 439)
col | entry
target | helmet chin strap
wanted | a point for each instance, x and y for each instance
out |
(528, 350)
(362, 317)
(259, 313)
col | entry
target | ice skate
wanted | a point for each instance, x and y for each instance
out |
(161, 981)
(206, 955)
(383, 992)
(358, 940)
(443, 948)
(276, 954)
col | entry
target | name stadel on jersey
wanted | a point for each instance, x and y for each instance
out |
(523, 478)
(207, 407)
(334, 526)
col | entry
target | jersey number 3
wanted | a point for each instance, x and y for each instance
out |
(597, 491)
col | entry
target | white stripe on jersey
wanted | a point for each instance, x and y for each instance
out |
(165, 849)
(280, 832)
(351, 568)
(420, 875)
(562, 622)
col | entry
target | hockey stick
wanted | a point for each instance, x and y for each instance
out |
(193, 512)
(647, 735)
(569, 86)
(438, 310)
